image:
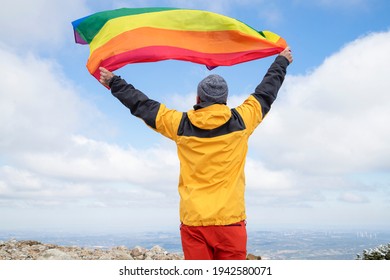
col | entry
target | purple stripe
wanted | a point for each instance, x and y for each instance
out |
(78, 39)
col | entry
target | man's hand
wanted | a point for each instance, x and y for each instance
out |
(105, 76)
(287, 54)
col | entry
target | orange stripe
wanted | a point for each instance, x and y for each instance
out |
(203, 42)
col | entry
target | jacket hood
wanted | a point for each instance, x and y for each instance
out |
(210, 117)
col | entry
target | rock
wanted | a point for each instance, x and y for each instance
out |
(29, 243)
(138, 253)
(253, 257)
(158, 250)
(55, 254)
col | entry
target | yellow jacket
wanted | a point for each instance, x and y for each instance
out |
(212, 143)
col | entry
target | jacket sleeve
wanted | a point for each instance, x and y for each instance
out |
(254, 109)
(153, 113)
(267, 90)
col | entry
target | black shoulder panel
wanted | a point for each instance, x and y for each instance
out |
(186, 128)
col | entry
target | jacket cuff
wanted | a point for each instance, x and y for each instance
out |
(113, 79)
(282, 61)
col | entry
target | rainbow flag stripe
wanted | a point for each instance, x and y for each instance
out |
(131, 35)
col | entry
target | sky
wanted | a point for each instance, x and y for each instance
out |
(73, 159)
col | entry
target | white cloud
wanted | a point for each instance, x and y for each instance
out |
(23, 188)
(39, 22)
(38, 106)
(333, 120)
(182, 102)
(93, 161)
(353, 198)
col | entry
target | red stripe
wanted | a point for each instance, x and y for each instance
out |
(152, 54)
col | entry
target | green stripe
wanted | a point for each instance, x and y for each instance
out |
(92, 24)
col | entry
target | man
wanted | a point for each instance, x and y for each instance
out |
(212, 143)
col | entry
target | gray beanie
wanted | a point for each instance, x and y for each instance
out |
(214, 89)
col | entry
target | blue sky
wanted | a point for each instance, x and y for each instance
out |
(73, 159)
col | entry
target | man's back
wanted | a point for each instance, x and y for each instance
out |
(212, 146)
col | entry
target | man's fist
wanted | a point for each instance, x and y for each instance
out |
(105, 76)
(287, 54)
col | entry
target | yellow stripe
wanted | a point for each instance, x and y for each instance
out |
(271, 36)
(188, 20)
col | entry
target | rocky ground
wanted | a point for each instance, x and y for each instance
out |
(34, 250)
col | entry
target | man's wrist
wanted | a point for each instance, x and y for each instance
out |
(111, 80)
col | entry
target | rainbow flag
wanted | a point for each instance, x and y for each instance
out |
(131, 35)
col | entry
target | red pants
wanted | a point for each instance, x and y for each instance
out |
(214, 242)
